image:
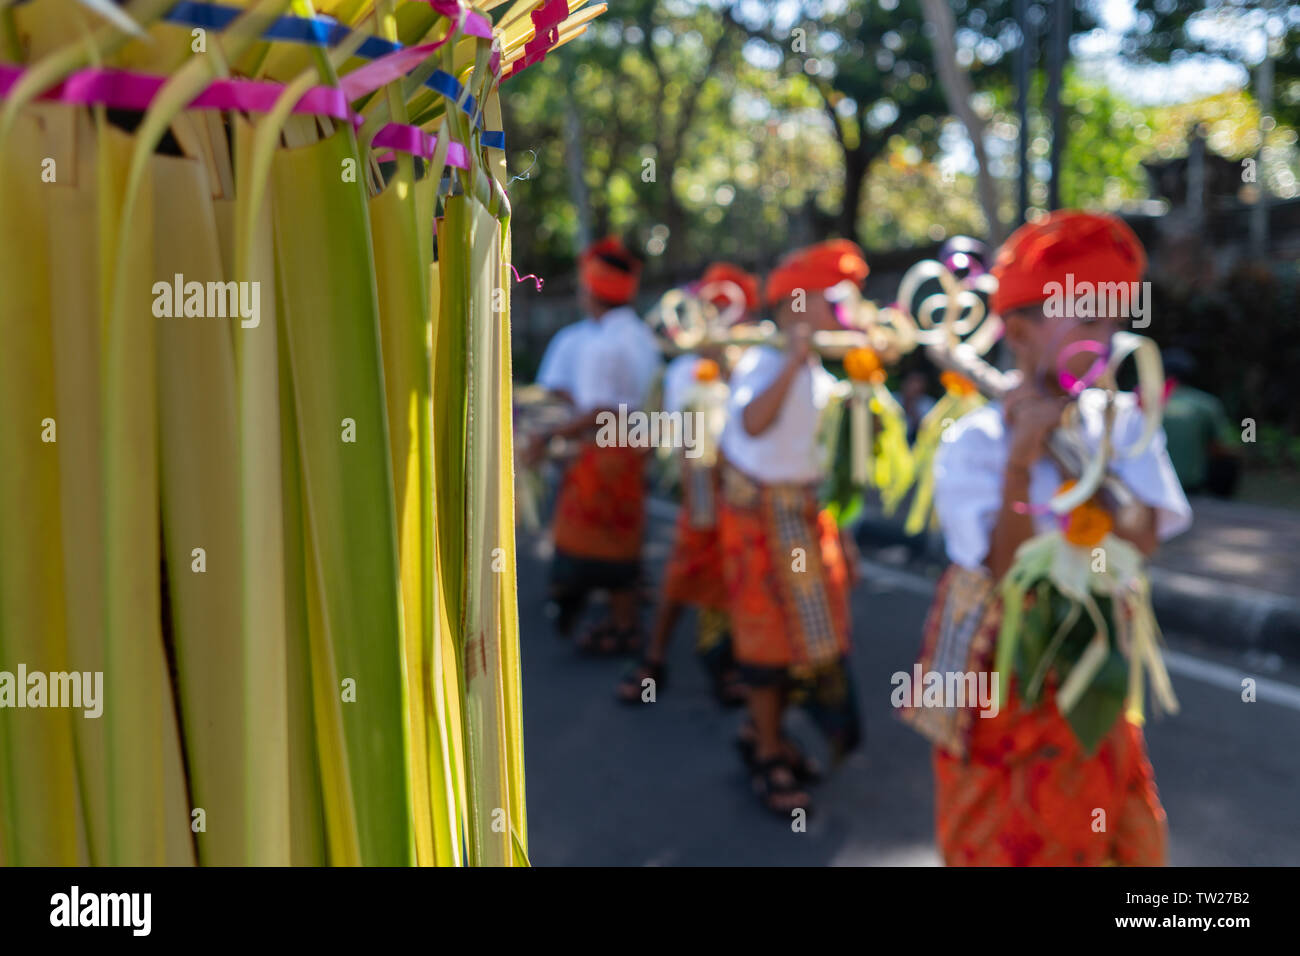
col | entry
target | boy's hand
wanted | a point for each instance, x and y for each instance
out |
(800, 343)
(1031, 417)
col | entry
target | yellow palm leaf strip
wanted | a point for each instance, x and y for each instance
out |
(137, 697)
(322, 814)
(511, 671)
(199, 486)
(451, 385)
(444, 805)
(401, 279)
(323, 256)
(270, 747)
(75, 313)
(444, 717)
(571, 26)
(484, 702)
(38, 781)
(401, 231)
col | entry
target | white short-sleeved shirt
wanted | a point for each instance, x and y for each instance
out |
(969, 466)
(618, 363)
(679, 379)
(559, 368)
(787, 451)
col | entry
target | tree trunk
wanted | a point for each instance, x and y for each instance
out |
(957, 88)
(855, 181)
(577, 181)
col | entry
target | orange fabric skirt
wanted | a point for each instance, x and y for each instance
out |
(1018, 789)
(693, 574)
(600, 510)
(786, 578)
(694, 571)
(1029, 796)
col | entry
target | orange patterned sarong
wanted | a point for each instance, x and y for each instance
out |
(693, 574)
(1018, 789)
(786, 577)
(1029, 796)
(600, 511)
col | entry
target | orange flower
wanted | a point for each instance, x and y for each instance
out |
(863, 365)
(706, 370)
(957, 384)
(1088, 524)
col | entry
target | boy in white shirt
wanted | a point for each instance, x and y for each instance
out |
(558, 370)
(785, 569)
(600, 511)
(1017, 788)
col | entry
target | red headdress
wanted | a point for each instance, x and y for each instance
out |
(817, 267)
(598, 272)
(1093, 247)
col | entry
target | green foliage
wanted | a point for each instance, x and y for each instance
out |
(1172, 31)
(1043, 649)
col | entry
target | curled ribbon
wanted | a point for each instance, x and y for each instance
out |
(1069, 382)
(537, 280)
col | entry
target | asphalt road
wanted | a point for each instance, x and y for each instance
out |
(660, 785)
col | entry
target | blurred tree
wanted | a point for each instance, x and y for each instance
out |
(1242, 31)
(873, 62)
(705, 129)
(682, 144)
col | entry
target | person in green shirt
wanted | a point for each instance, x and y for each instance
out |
(1197, 431)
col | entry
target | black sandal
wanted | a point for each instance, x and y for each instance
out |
(805, 769)
(564, 610)
(632, 685)
(770, 788)
(729, 689)
(599, 640)
(629, 640)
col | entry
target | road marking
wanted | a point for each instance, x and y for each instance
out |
(1185, 665)
(1266, 690)
(1208, 672)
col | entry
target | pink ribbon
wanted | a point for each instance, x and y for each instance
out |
(537, 280)
(546, 33)
(467, 21)
(124, 89)
(387, 68)
(413, 140)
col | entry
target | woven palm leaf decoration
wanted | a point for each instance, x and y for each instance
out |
(255, 415)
